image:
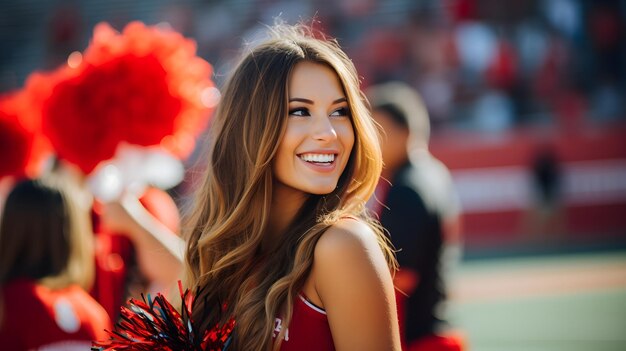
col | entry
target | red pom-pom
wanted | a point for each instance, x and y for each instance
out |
(156, 325)
(23, 148)
(16, 143)
(144, 86)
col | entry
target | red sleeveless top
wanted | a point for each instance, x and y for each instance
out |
(308, 330)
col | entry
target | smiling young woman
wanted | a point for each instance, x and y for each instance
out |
(278, 238)
(318, 137)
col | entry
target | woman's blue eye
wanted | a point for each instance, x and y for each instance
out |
(344, 111)
(299, 112)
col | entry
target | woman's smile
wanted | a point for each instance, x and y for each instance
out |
(319, 161)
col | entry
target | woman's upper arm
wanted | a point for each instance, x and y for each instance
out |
(354, 283)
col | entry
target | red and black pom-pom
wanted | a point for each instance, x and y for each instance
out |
(154, 324)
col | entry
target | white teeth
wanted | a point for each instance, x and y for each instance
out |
(318, 158)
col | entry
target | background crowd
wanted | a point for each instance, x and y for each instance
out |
(553, 61)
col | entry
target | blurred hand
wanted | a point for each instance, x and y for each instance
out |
(123, 216)
(159, 250)
(6, 185)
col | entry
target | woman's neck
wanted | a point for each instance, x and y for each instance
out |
(286, 202)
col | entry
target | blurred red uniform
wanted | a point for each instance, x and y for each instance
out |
(37, 317)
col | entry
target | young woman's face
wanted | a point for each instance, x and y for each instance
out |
(317, 143)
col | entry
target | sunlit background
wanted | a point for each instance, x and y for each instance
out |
(527, 102)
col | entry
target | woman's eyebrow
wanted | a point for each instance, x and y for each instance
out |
(310, 102)
(306, 101)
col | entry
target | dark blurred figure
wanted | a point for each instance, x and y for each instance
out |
(46, 266)
(421, 212)
(63, 32)
(546, 176)
(546, 216)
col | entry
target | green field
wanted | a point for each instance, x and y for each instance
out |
(568, 302)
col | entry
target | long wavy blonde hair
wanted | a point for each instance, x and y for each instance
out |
(224, 265)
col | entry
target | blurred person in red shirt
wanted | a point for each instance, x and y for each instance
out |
(137, 247)
(46, 266)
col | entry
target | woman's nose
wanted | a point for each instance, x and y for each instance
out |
(323, 129)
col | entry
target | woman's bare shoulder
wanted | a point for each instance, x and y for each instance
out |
(348, 233)
(353, 283)
(350, 246)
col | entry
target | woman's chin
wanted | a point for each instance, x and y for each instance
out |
(322, 189)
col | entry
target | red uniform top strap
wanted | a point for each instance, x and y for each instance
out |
(308, 330)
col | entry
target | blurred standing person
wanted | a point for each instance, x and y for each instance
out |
(545, 219)
(420, 210)
(138, 249)
(97, 113)
(46, 266)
